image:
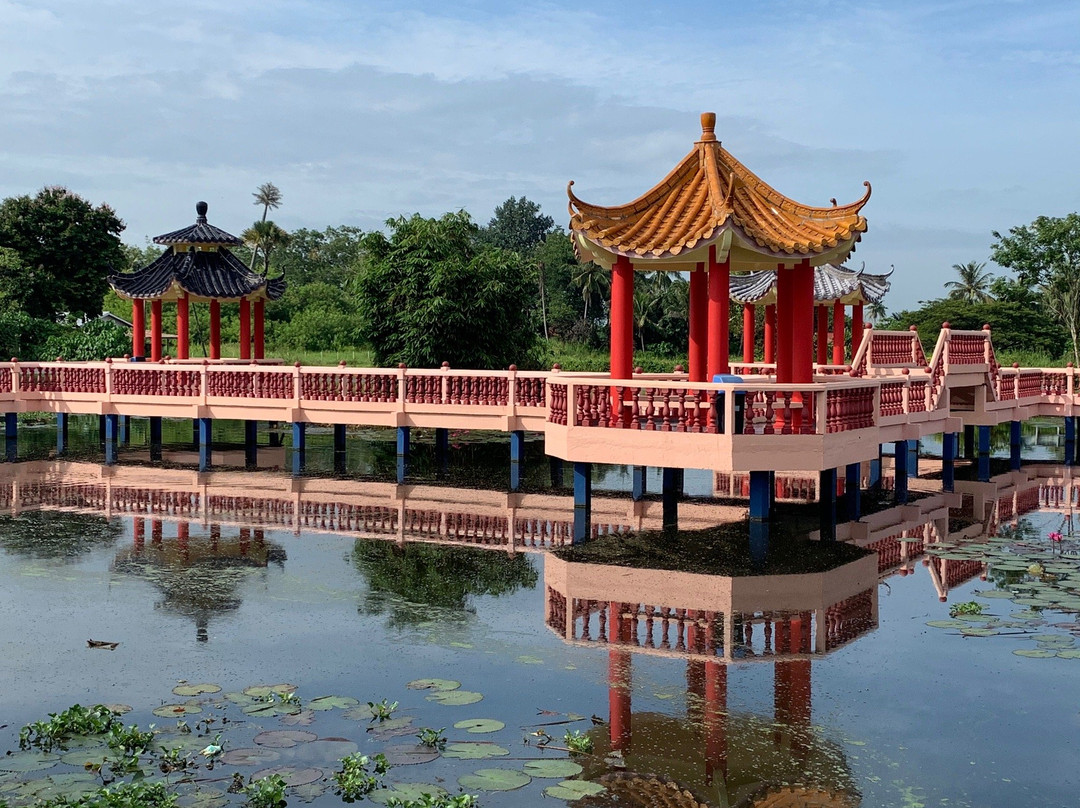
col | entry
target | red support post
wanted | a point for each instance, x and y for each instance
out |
(245, 328)
(622, 318)
(259, 348)
(748, 326)
(785, 299)
(838, 333)
(215, 329)
(856, 328)
(769, 350)
(138, 328)
(182, 332)
(802, 358)
(155, 330)
(719, 311)
(823, 335)
(699, 323)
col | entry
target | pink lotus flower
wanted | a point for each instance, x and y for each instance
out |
(1055, 536)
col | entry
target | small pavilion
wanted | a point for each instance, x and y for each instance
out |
(712, 217)
(834, 288)
(197, 267)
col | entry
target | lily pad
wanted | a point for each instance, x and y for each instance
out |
(284, 738)
(410, 755)
(993, 593)
(528, 659)
(80, 757)
(573, 790)
(1069, 653)
(195, 690)
(359, 713)
(242, 699)
(978, 632)
(28, 762)
(300, 719)
(479, 726)
(946, 623)
(332, 702)
(119, 709)
(250, 757)
(272, 708)
(393, 728)
(494, 780)
(406, 792)
(1035, 653)
(177, 710)
(292, 775)
(433, 684)
(474, 751)
(309, 792)
(264, 691)
(324, 750)
(456, 698)
(554, 768)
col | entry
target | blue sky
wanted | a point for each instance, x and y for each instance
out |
(963, 115)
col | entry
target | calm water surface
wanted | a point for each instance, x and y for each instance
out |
(892, 712)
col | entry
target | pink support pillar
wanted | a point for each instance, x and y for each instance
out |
(856, 328)
(769, 351)
(245, 328)
(719, 310)
(155, 331)
(182, 331)
(699, 324)
(622, 318)
(259, 348)
(822, 335)
(748, 325)
(138, 328)
(785, 300)
(215, 329)
(838, 333)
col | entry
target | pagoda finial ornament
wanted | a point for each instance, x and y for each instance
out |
(708, 126)
(200, 211)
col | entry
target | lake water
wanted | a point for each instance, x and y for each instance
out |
(824, 685)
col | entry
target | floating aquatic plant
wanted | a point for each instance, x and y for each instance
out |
(355, 780)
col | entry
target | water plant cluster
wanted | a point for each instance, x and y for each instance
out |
(258, 747)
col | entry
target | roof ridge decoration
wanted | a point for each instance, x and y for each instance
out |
(708, 193)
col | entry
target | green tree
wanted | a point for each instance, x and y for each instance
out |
(66, 250)
(269, 196)
(974, 283)
(1046, 254)
(593, 281)
(558, 265)
(430, 291)
(320, 256)
(518, 225)
(264, 237)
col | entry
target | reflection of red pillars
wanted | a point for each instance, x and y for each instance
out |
(245, 540)
(838, 333)
(155, 531)
(715, 721)
(695, 686)
(138, 534)
(182, 539)
(719, 303)
(619, 680)
(769, 349)
(822, 335)
(215, 537)
(699, 323)
(748, 326)
(259, 537)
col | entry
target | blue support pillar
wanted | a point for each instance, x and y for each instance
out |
(402, 453)
(11, 436)
(206, 441)
(913, 458)
(123, 437)
(442, 451)
(251, 444)
(900, 458)
(671, 491)
(984, 454)
(639, 486)
(759, 543)
(1070, 440)
(517, 459)
(969, 442)
(61, 433)
(949, 441)
(762, 491)
(582, 501)
(340, 455)
(155, 437)
(112, 429)
(1015, 445)
(827, 504)
(555, 466)
(853, 491)
(299, 447)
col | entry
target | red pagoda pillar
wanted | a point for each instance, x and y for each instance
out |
(699, 324)
(838, 333)
(622, 318)
(155, 330)
(856, 328)
(802, 358)
(245, 328)
(719, 310)
(785, 312)
(215, 329)
(259, 348)
(822, 335)
(769, 352)
(748, 325)
(182, 339)
(138, 329)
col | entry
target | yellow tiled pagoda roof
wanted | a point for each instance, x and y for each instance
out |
(708, 194)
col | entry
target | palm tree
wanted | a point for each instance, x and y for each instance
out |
(647, 298)
(593, 280)
(265, 237)
(876, 312)
(269, 196)
(974, 283)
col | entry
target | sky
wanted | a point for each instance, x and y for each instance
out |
(964, 115)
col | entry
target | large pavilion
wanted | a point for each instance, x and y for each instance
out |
(197, 267)
(712, 217)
